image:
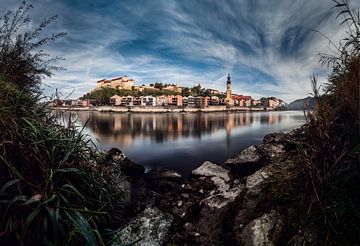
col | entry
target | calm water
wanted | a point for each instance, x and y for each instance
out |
(183, 141)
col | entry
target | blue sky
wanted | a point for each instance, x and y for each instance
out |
(268, 46)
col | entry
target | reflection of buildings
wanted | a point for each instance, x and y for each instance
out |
(125, 128)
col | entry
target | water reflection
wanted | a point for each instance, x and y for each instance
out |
(184, 141)
(125, 128)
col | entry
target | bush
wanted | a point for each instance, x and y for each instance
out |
(55, 188)
(332, 134)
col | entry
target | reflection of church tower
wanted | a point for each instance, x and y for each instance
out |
(229, 100)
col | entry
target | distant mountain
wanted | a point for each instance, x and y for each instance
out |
(299, 104)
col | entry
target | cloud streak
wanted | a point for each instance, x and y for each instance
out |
(269, 47)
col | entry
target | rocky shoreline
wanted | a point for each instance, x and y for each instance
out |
(221, 204)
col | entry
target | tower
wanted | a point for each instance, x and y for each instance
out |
(228, 88)
(229, 100)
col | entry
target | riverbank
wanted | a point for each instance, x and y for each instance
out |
(230, 203)
(135, 109)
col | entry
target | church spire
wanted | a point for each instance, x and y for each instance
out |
(228, 79)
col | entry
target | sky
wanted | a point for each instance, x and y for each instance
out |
(269, 47)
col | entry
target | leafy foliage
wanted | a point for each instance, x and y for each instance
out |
(55, 188)
(21, 59)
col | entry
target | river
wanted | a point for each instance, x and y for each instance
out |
(182, 141)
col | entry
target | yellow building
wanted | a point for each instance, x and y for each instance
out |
(121, 83)
(229, 101)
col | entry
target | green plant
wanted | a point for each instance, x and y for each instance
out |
(332, 134)
(55, 187)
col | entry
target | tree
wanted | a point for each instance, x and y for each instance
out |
(21, 60)
(185, 92)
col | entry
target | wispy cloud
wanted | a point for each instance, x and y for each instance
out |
(269, 47)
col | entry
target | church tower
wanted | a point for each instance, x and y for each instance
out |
(229, 100)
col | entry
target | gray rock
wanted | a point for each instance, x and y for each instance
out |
(248, 155)
(258, 178)
(214, 213)
(222, 199)
(209, 169)
(272, 150)
(149, 228)
(265, 230)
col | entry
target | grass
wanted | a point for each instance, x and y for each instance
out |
(325, 195)
(55, 188)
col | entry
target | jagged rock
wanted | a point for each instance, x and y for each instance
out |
(127, 166)
(220, 183)
(222, 199)
(258, 178)
(246, 162)
(219, 176)
(248, 155)
(163, 173)
(213, 214)
(149, 228)
(209, 169)
(265, 230)
(272, 150)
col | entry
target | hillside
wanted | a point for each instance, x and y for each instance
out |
(299, 104)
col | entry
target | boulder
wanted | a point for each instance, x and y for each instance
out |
(209, 169)
(214, 215)
(219, 176)
(246, 162)
(127, 166)
(258, 178)
(272, 150)
(148, 228)
(265, 230)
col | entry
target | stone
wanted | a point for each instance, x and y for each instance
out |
(209, 169)
(222, 199)
(258, 178)
(220, 184)
(277, 137)
(163, 173)
(265, 230)
(185, 195)
(248, 155)
(246, 162)
(219, 176)
(188, 226)
(214, 213)
(148, 228)
(272, 150)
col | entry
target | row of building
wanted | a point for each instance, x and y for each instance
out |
(191, 101)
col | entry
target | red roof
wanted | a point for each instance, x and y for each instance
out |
(240, 97)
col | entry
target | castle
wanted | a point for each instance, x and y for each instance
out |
(121, 83)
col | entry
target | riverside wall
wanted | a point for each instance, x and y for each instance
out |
(155, 109)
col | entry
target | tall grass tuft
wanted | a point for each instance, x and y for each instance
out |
(55, 188)
(333, 138)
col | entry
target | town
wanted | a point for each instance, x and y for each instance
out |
(122, 92)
